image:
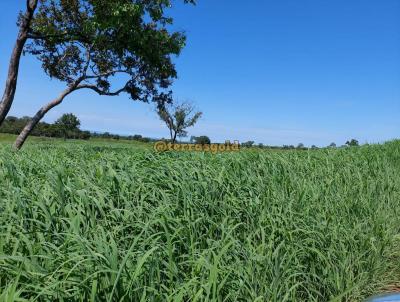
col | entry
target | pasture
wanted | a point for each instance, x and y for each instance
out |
(101, 221)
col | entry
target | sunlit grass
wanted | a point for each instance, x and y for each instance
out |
(82, 222)
(6, 140)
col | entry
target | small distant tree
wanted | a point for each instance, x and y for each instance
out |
(332, 145)
(68, 123)
(248, 144)
(202, 140)
(84, 135)
(288, 147)
(314, 147)
(137, 137)
(352, 143)
(260, 145)
(300, 146)
(178, 117)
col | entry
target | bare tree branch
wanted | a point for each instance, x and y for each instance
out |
(101, 91)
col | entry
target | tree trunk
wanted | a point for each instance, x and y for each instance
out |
(39, 115)
(11, 83)
(174, 138)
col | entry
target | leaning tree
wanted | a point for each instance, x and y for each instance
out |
(87, 43)
(94, 44)
(24, 23)
(27, 31)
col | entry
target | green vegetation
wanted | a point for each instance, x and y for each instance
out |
(202, 140)
(91, 222)
(61, 128)
(67, 127)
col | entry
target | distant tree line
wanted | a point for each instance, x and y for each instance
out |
(136, 137)
(67, 127)
(61, 128)
(251, 144)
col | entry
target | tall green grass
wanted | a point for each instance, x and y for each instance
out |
(89, 223)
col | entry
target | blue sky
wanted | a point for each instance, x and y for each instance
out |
(276, 72)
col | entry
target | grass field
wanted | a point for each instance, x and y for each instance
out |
(92, 222)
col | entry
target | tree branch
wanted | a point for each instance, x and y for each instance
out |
(31, 5)
(101, 91)
(88, 59)
(105, 74)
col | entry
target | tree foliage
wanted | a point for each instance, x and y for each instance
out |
(301, 146)
(202, 140)
(68, 122)
(247, 144)
(87, 42)
(352, 143)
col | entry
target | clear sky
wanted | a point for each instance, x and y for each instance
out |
(276, 72)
